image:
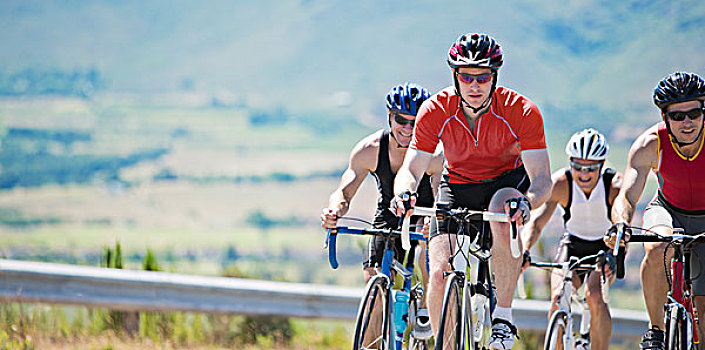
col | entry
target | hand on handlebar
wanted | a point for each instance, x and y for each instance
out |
(402, 204)
(526, 262)
(518, 208)
(425, 230)
(611, 235)
(329, 218)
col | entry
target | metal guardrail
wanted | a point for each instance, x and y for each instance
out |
(37, 282)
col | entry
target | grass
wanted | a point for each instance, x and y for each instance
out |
(57, 327)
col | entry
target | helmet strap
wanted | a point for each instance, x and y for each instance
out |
(675, 139)
(485, 103)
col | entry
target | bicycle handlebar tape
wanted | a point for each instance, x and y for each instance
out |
(604, 283)
(405, 241)
(619, 253)
(514, 232)
(332, 234)
(620, 265)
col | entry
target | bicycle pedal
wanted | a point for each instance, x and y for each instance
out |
(582, 344)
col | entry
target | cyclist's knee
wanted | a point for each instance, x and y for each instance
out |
(594, 299)
(501, 196)
(436, 276)
(654, 253)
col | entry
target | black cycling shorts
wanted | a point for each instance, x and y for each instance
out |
(476, 196)
(374, 253)
(575, 246)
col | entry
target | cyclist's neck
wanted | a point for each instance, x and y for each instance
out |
(470, 116)
(689, 151)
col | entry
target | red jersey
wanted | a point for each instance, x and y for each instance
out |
(680, 178)
(512, 124)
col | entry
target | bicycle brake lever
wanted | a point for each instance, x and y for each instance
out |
(514, 231)
(330, 243)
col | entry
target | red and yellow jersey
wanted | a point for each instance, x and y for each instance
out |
(512, 124)
(680, 178)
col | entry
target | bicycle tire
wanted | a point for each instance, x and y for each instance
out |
(449, 334)
(677, 330)
(372, 324)
(555, 331)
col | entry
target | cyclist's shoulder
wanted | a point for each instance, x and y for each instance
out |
(366, 150)
(615, 184)
(441, 104)
(647, 144)
(561, 184)
(512, 100)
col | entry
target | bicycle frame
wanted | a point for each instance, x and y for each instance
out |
(388, 263)
(568, 294)
(679, 305)
(475, 278)
(680, 298)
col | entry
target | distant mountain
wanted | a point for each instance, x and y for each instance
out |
(584, 62)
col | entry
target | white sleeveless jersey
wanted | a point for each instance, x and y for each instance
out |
(588, 216)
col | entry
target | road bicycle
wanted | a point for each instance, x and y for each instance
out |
(469, 295)
(384, 313)
(559, 334)
(681, 317)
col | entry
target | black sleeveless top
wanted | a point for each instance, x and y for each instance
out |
(385, 218)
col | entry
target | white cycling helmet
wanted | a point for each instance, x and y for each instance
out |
(587, 144)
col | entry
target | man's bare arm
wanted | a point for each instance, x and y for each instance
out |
(643, 155)
(415, 165)
(538, 168)
(435, 169)
(541, 216)
(362, 160)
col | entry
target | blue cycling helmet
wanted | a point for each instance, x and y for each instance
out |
(407, 98)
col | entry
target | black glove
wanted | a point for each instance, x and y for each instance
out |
(520, 203)
(526, 259)
(620, 226)
(405, 198)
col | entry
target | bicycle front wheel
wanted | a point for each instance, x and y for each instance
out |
(372, 326)
(449, 330)
(678, 329)
(420, 326)
(555, 334)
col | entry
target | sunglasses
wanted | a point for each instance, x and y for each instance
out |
(403, 121)
(589, 167)
(480, 78)
(692, 114)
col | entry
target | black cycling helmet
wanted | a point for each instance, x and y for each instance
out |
(406, 98)
(475, 50)
(679, 87)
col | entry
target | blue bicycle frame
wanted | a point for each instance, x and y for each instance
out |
(386, 268)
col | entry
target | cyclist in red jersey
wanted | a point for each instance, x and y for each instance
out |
(493, 141)
(672, 150)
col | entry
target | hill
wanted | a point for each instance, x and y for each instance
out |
(584, 62)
